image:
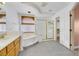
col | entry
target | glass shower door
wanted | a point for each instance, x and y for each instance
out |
(50, 30)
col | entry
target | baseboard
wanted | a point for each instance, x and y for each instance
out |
(45, 40)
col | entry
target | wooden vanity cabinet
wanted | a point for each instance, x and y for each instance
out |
(12, 49)
(17, 46)
(3, 52)
(11, 52)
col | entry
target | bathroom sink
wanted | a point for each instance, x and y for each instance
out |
(2, 35)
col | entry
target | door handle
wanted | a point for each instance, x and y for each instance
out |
(70, 29)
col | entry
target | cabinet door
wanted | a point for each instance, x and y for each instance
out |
(17, 49)
(17, 41)
(3, 52)
(11, 52)
(10, 47)
(17, 46)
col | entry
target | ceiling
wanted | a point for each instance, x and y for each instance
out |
(48, 7)
(44, 8)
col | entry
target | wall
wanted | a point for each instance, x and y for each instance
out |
(41, 28)
(12, 19)
(64, 25)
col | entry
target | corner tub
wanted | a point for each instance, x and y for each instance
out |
(28, 40)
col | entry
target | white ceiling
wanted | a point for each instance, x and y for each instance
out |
(48, 7)
(45, 8)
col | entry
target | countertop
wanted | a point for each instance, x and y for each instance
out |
(10, 37)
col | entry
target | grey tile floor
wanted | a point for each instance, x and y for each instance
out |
(48, 48)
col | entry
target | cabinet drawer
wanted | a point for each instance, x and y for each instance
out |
(10, 47)
(11, 53)
(3, 52)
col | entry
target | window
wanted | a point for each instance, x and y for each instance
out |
(28, 28)
(28, 24)
(2, 23)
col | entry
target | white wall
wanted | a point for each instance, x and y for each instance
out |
(64, 25)
(12, 19)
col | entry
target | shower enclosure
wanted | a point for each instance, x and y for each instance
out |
(50, 30)
(45, 29)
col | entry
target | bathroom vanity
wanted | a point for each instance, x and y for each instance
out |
(10, 45)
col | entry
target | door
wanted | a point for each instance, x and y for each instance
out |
(50, 30)
(74, 28)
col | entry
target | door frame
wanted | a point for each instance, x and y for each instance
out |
(57, 29)
(71, 30)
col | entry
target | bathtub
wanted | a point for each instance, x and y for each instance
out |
(27, 40)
